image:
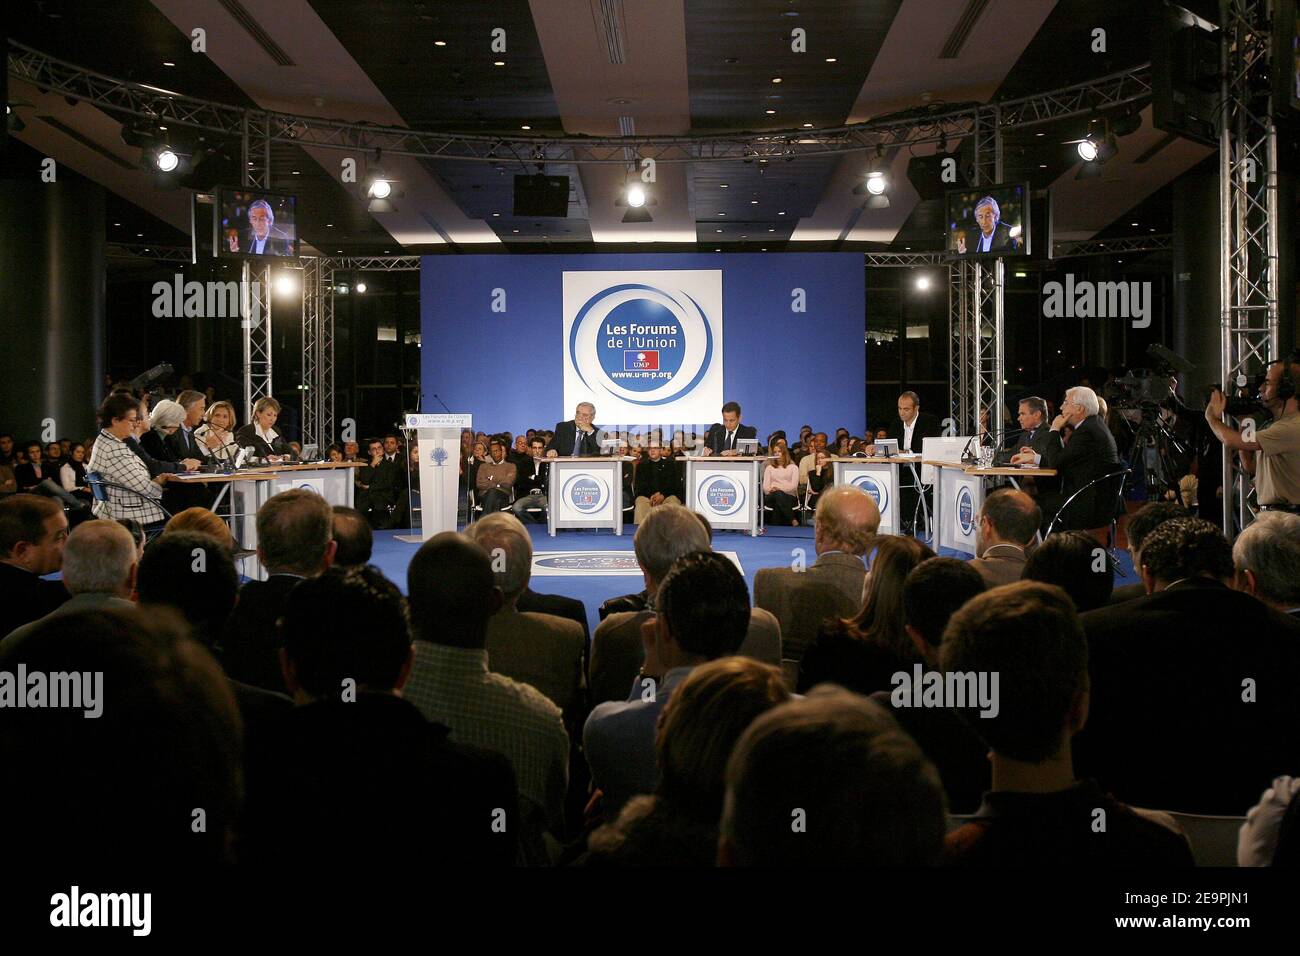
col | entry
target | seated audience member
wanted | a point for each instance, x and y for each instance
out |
(33, 533)
(781, 486)
(134, 528)
(37, 476)
(864, 652)
(217, 433)
(702, 614)
(1038, 813)
(617, 648)
(821, 476)
(869, 796)
(1269, 836)
(1193, 702)
(8, 483)
(353, 539)
(260, 434)
(1142, 522)
(164, 420)
(1267, 560)
(1008, 524)
(166, 734)
(99, 563)
(494, 479)
(816, 443)
(531, 481)
(346, 681)
(537, 649)
(193, 573)
(1073, 561)
(560, 606)
(453, 596)
(205, 522)
(847, 519)
(933, 591)
(699, 726)
(72, 474)
(137, 494)
(334, 453)
(6, 449)
(294, 541)
(659, 481)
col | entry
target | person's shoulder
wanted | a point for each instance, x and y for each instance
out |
(527, 697)
(618, 620)
(554, 623)
(761, 617)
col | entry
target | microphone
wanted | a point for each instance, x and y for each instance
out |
(440, 402)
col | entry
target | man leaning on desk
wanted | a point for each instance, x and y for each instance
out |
(722, 438)
(578, 437)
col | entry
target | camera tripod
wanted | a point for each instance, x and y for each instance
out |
(1154, 446)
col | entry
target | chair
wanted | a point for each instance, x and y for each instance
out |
(1116, 511)
(1213, 839)
(790, 673)
(476, 509)
(100, 488)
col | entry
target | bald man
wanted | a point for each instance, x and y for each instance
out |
(1007, 526)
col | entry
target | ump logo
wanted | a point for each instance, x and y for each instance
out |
(874, 488)
(587, 493)
(723, 496)
(965, 511)
(307, 487)
(643, 344)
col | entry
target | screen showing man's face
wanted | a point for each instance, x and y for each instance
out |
(984, 216)
(260, 221)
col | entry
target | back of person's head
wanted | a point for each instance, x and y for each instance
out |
(294, 532)
(1073, 560)
(452, 591)
(353, 539)
(203, 521)
(193, 573)
(666, 534)
(22, 521)
(136, 530)
(505, 539)
(700, 725)
(1149, 517)
(847, 520)
(881, 617)
(99, 558)
(122, 785)
(1013, 516)
(1267, 553)
(1028, 634)
(705, 604)
(1187, 548)
(830, 780)
(932, 593)
(367, 641)
(166, 414)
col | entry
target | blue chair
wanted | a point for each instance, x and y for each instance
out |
(100, 488)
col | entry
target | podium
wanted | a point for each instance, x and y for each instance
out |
(439, 443)
(585, 492)
(878, 477)
(728, 491)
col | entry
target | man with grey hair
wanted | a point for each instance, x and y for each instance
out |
(1089, 455)
(263, 238)
(99, 565)
(617, 651)
(577, 437)
(990, 234)
(1266, 557)
(538, 649)
(801, 598)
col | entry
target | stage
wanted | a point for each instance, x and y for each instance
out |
(593, 566)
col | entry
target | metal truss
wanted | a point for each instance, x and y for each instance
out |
(1248, 253)
(1105, 247)
(925, 125)
(374, 263)
(255, 151)
(906, 260)
(961, 362)
(138, 250)
(311, 352)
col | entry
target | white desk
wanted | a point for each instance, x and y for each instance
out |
(728, 490)
(879, 478)
(585, 493)
(959, 499)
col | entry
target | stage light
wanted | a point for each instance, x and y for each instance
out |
(635, 196)
(922, 282)
(380, 188)
(1087, 150)
(876, 184)
(167, 161)
(361, 287)
(286, 283)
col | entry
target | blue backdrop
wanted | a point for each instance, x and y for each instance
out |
(784, 367)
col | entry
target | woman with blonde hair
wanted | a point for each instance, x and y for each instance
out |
(217, 433)
(203, 521)
(260, 434)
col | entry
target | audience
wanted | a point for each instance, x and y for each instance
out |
(1193, 686)
(702, 614)
(33, 532)
(699, 726)
(453, 596)
(353, 539)
(537, 649)
(1075, 562)
(781, 486)
(830, 780)
(1140, 524)
(294, 541)
(1266, 557)
(407, 792)
(863, 653)
(801, 598)
(617, 648)
(193, 573)
(1008, 525)
(1038, 813)
(205, 522)
(659, 480)
(494, 479)
(132, 489)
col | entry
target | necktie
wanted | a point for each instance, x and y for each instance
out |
(731, 441)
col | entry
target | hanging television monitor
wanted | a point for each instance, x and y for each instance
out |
(252, 223)
(988, 221)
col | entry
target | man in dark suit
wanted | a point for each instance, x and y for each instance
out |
(1140, 524)
(531, 476)
(991, 234)
(386, 495)
(722, 436)
(659, 480)
(1034, 435)
(262, 238)
(1267, 556)
(295, 541)
(911, 426)
(32, 534)
(1193, 702)
(181, 445)
(1089, 455)
(558, 605)
(579, 437)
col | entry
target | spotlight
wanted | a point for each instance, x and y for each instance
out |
(380, 188)
(922, 282)
(635, 196)
(166, 160)
(361, 287)
(1087, 150)
(286, 283)
(876, 184)
(13, 122)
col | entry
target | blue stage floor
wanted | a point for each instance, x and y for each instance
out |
(776, 548)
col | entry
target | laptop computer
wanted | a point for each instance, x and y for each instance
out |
(887, 447)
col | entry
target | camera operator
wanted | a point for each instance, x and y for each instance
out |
(1277, 466)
